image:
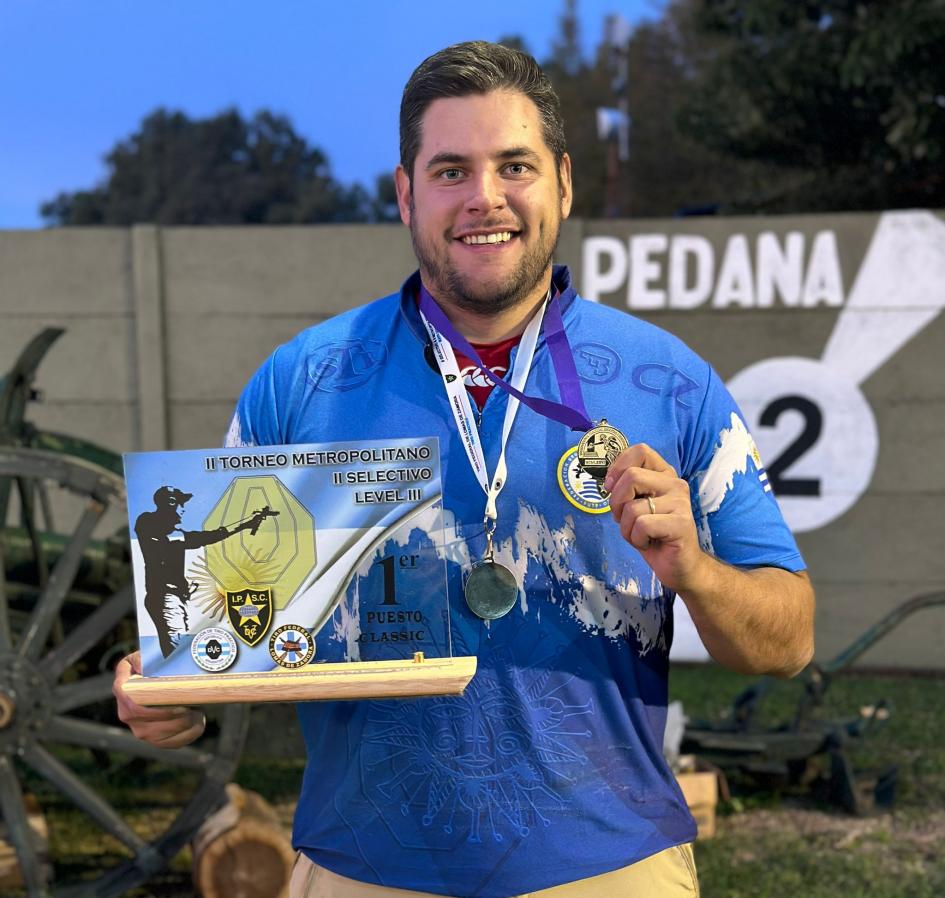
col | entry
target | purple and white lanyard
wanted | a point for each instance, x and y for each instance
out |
(571, 411)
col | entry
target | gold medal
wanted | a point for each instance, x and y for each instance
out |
(598, 450)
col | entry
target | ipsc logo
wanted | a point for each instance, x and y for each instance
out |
(345, 364)
(213, 649)
(579, 488)
(291, 646)
(250, 612)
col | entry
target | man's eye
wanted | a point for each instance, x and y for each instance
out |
(516, 168)
(451, 174)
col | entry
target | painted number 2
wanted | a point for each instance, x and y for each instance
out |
(816, 431)
(805, 440)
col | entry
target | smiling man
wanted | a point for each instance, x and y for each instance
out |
(546, 778)
(484, 195)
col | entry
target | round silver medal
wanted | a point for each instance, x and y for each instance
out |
(598, 450)
(491, 590)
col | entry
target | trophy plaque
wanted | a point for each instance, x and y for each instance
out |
(288, 573)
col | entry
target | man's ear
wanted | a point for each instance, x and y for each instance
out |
(564, 185)
(402, 183)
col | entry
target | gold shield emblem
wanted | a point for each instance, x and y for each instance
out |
(250, 613)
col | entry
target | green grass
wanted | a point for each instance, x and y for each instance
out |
(789, 843)
(745, 863)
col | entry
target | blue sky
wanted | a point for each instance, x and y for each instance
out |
(78, 75)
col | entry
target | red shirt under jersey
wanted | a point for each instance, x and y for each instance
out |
(495, 356)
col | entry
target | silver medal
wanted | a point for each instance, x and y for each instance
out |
(491, 589)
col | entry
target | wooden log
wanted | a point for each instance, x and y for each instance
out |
(11, 876)
(242, 850)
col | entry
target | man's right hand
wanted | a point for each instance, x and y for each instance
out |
(165, 727)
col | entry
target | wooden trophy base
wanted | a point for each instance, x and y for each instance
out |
(418, 676)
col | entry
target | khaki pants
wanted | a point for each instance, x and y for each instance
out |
(668, 874)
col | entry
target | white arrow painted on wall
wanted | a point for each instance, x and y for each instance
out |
(811, 413)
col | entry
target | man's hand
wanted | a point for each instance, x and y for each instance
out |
(165, 727)
(752, 621)
(651, 504)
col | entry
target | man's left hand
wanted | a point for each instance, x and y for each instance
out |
(651, 504)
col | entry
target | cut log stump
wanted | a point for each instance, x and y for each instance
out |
(242, 850)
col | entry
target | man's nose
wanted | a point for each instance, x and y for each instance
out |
(487, 192)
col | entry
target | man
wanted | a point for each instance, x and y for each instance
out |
(547, 774)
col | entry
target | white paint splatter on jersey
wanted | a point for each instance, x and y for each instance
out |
(731, 457)
(234, 436)
(612, 610)
(346, 621)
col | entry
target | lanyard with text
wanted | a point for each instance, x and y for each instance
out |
(461, 407)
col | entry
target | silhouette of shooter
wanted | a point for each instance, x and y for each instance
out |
(163, 544)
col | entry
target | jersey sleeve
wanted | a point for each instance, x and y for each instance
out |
(255, 421)
(737, 516)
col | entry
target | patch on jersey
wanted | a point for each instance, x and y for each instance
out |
(291, 646)
(596, 363)
(579, 488)
(213, 649)
(345, 364)
(759, 467)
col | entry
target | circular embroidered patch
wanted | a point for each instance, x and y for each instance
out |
(291, 646)
(214, 649)
(579, 488)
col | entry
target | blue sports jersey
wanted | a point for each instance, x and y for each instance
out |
(549, 768)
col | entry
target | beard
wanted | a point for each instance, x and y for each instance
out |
(471, 295)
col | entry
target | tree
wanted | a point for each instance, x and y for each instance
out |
(844, 98)
(745, 106)
(383, 205)
(219, 170)
(581, 87)
(668, 171)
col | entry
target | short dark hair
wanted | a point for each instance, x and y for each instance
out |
(477, 67)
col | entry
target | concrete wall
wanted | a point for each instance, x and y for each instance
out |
(165, 326)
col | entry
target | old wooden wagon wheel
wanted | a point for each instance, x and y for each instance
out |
(64, 604)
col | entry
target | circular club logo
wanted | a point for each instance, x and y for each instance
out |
(579, 488)
(291, 646)
(214, 649)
